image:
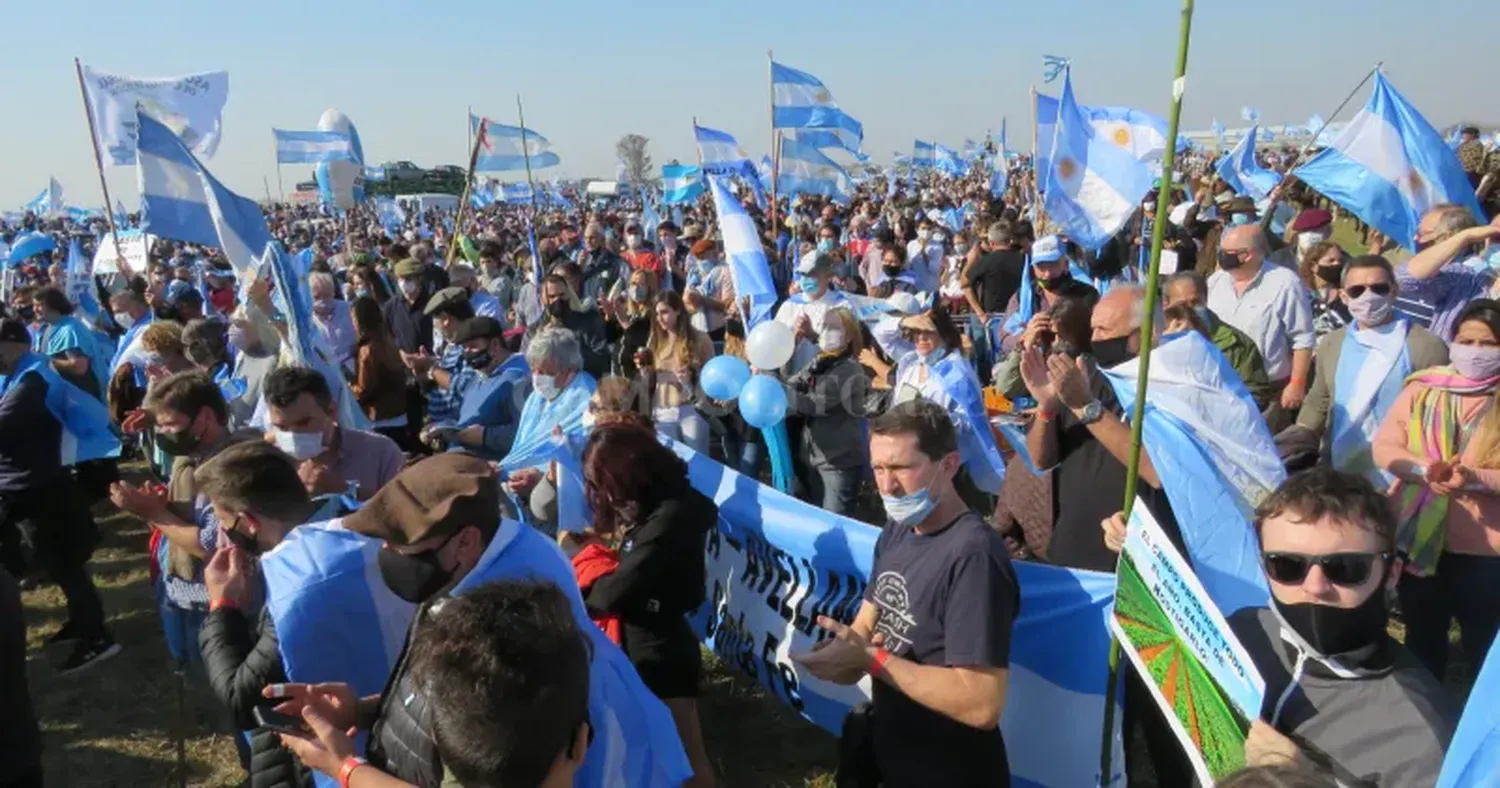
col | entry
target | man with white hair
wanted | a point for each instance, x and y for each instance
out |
(1271, 305)
(1446, 273)
(331, 318)
(601, 266)
(560, 394)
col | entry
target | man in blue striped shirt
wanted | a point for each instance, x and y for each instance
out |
(1445, 274)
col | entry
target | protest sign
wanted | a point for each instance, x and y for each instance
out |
(1175, 636)
(134, 244)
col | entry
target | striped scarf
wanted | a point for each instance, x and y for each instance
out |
(1436, 431)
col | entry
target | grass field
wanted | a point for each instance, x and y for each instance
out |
(118, 724)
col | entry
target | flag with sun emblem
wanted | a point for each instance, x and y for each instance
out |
(807, 170)
(1093, 185)
(801, 101)
(1390, 166)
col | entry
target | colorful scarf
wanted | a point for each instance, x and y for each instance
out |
(1438, 432)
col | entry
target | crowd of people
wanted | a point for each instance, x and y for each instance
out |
(463, 345)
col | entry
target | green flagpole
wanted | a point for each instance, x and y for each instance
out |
(1132, 472)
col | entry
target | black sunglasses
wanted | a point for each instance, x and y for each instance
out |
(1379, 288)
(1342, 569)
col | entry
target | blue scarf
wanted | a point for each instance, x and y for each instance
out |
(86, 430)
(976, 441)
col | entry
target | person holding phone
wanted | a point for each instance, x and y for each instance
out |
(674, 354)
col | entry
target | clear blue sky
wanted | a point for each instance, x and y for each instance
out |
(589, 72)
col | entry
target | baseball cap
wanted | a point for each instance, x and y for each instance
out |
(1047, 249)
(180, 292)
(437, 496)
(478, 328)
(815, 263)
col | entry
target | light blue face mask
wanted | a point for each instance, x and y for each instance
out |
(1238, 219)
(910, 509)
(826, 245)
(1204, 315)
(808, 285)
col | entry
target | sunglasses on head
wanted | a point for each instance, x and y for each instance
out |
(1379, 288)
(1342, 569)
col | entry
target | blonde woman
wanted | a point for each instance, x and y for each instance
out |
(829, 394)
(1441, 439)
(670, 362)
(627, 318)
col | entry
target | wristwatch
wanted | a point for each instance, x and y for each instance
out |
(1090, 413)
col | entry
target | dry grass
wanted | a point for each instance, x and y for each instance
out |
(117, 724)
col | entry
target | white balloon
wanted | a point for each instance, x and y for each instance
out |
(770, 345)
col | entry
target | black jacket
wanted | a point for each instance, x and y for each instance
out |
(401, 740)
(20, 738)
(588, 326)
(241, 658)
(661, 572)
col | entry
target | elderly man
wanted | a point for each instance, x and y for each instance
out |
(1446, 273)
(1190, 289)
(600, 265)
(331, 318)
(405, 313)
(560, 393)
(1271, 305)
(806, 311)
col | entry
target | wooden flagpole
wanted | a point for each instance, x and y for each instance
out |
(463, 202)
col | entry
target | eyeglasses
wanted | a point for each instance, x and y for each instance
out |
(1379, 288)
(1342, 569)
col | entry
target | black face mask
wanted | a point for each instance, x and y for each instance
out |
(558, 308)
(1112, 352)
(178, 443)
(892, 270)
(26, 313)
(477, 359)
(1228, 261)
(241, 539)
(415, 577)
(1330, 275)
(1055, 282)
(1338, 630)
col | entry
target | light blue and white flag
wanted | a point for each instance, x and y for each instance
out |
(515, 193)
(999, 175)
(1140, 133)
(650, 219)
(800, 101)
(48, 202)
(721, 154)
(923, 154)
(312, 147)
(1250, 114)
(482, 194)
(122, 217)
(1473, 757)
(501, 147)
(81, 286)
(829, 139)
(1218, 129)
(374, 174)
(947, 161)
(293, 299)
(757, 616)
(1455, 136)
(1315, 125)
(192, 107)
(1093, 185)
(87, 433)
(1215, 457)
(182, 201)
(805, 170)
(748, 267)
(1243, 173)
(681, 183)
(1389, 167)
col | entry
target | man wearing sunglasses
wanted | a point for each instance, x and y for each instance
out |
(1341, 695)
(1361, 369)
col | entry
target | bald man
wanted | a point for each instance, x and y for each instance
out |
(1272, 306)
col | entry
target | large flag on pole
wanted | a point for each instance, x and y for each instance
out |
(681, 183)
(806, 170)
(746, 256)
(312, 147)
(48, 202)
(1389, 167)
(182, 201)
(1243, 173)
(1093, 186)
(191, 106)
(501, 147)
(800, 101)
(1473, 758)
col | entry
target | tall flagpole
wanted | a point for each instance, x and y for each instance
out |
(526, 155)
(1036, 174)
(463, 202)
(276, 157)
(1138, 416)
(109, 206)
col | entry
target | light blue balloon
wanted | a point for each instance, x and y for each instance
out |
(724, 376)
(29, 245)
(763, 402)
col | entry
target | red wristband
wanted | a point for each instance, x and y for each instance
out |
(347, 770)
(877, 662)
(223, 604)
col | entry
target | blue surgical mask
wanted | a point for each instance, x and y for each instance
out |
(1204, 315)
(826, 245)
(808, 285)
(1239, 219)
(910, 509)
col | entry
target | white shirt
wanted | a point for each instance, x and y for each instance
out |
(926, 264)
(816, 311)
(1274, 311)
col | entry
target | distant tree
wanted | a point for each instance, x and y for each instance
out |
(631, 150)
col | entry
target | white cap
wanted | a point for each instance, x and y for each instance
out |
(1046, 249)
(905, 303)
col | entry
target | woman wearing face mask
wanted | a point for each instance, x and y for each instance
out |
(627, 319)
(829, 395)
(365, 282)
(1441, 440)
(676, 352)
(639, 491)
(1322, 269)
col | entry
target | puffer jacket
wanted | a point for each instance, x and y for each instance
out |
(401, 740)
(241, 658)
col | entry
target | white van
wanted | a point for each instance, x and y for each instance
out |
(422, 202)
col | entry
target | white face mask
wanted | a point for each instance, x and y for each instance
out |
(411, 287)
(924, 235)
(633, 241)
(832, 340)
(1309, 239)
(124, 320)
(545, 385)
(300, 445)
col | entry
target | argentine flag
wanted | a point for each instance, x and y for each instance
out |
(312, 147)
(1389, 167)
(946, 160)
(374, 174)
(745, 254)
(923, 154)
(1240, 170)
(720, 154)
(800, 101)
(515, 193)
(681, 183)
(1093, 185)
(1140, 133)
(48, 202)
(182, 201)
(806, 170)
(501, 147)
(827, 139)
(1250, 114)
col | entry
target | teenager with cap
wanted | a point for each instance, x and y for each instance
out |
(490, 390)
(808, 307)
(442, 533)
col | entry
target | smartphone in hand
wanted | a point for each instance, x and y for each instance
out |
(271, 719)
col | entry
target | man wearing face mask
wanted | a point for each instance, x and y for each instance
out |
(405, 315)
(1446, 273)
(638, 254)
(563, 310)
(1361, 369)
(1341, 695)
(925, 255)
(1189, 288)
(807, 310)
(675, 254)
(331, 459)
(132, 315)
(1271, 305)
(600, 267)
(933, 632)
(709, 290)
(331, 318)
(1312, 226)
(1051, 280)
(257, 498)
(490, 390)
